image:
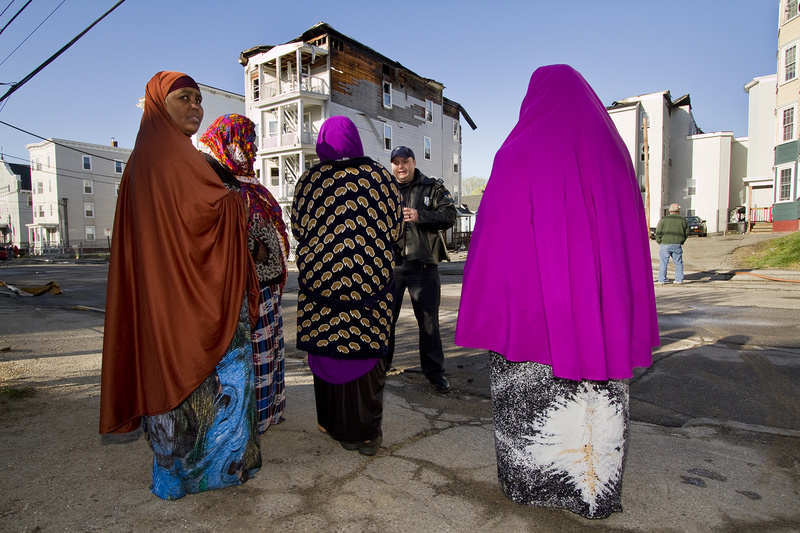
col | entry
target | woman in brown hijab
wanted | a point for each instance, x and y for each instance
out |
(182, 292)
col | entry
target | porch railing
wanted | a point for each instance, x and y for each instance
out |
(306, 84)
(760, 214)
(288, 139)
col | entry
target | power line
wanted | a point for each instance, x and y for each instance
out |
(54, 142)
(15, 16)
(60, 172)
(52, 58)
(34, 31)
(6, 9)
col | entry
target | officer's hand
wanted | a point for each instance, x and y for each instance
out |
(410, 214)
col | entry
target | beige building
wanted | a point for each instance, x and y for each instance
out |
(786, 210)
(74, 195)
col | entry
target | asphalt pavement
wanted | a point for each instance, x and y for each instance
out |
(714, 441)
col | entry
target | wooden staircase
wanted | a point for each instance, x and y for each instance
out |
(761, 227)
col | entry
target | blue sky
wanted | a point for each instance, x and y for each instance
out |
(483, 52)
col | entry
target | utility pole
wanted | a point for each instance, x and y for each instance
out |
(65, 235)
(646, 155)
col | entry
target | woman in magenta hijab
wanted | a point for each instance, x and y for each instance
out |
(570, 317)
(346, 217)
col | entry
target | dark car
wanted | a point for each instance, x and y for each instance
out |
(697, 226)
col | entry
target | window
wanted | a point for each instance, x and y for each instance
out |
(90, 233)
(30, 200)
(785, 185)
(791, 10)
(88, 209)
(455, 130)
(387, 137)
(691, 187)
(87, 162)
(789, 60)
(39, 187)
(272, 128)
(256, 89)
(41, 210)
(49, 185)
(275, 176)
(455, 163)
(787, 124)
(38, 164)
(88, 187)
(427, 148)
(118, 167)
(387, 95)
(428, 110)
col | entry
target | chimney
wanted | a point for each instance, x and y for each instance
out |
(113, 142)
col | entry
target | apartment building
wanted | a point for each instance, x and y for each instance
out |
(786, 210)
(290, 89)
(676, 162)
(74, 194)
(16, 203)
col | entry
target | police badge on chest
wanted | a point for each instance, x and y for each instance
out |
(427, 201)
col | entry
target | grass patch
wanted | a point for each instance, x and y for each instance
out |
(16, 393)
(783, 252)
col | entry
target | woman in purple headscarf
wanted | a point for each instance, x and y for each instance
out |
(573, 313)
(346, 215)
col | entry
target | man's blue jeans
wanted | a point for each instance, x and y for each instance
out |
(675, 251)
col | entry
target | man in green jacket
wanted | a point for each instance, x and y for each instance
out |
(671, 233)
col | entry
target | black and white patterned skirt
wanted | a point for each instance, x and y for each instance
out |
(560, 443)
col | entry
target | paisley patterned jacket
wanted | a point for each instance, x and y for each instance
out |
(346, 217)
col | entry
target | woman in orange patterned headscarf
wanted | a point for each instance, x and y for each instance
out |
(229, 147)
(181, 291)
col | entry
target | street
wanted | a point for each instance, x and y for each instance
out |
(714, 436)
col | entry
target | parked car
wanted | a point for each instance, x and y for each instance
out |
(697, 226)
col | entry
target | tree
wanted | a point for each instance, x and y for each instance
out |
(473, 185)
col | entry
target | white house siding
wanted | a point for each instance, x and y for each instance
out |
(740, 150)
(59, 167)
(707, 160)
(629, 125)
(761, 126)
(216, 103)
(15, 211)
(655, 107)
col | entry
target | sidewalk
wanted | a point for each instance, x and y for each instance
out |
(714, 440)
(436, 470)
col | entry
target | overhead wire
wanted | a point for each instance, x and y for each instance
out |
(60, 172)
(6, 8)
(56, 142)
(15, 16)
(34, 31)
(52, 58)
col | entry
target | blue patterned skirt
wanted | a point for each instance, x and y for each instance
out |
(210, 440)
(560, 443)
